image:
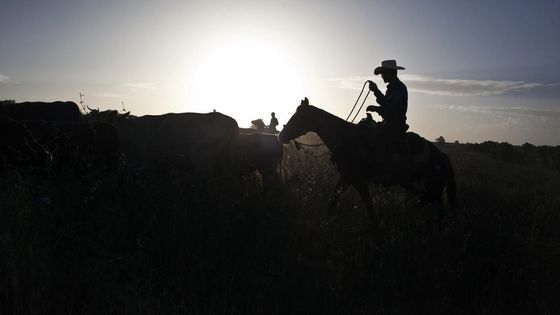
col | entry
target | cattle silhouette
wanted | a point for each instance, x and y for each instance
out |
(40, 144)
(192, 141)
(49, 111)
(107, 116)
(197, 142)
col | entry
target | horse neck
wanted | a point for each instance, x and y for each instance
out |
(332, 130)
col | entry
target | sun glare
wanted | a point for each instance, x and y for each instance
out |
(246, 80)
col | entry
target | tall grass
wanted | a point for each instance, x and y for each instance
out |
(158, 241)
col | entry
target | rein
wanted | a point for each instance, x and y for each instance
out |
(356, 103)
(308, 151)
(309, 145)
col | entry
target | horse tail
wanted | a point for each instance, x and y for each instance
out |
(450, 187)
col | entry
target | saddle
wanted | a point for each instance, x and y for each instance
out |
(410, 148)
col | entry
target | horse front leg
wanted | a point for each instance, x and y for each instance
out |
(363, 190)
(341, 187)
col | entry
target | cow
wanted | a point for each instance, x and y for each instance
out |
(109, 116)
(40, 144)
(260, 152)
(49, 111)
(195, 142)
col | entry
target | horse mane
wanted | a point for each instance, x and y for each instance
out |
(331, 117)
(333, 130)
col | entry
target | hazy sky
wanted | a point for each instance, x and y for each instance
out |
(475, 70)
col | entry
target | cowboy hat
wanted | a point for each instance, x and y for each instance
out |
(387, 65)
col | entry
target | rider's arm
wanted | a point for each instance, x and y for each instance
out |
(390, 103)
(394, 96)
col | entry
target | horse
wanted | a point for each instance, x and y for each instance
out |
(358, 166)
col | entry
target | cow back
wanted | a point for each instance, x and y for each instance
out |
(189, 140)
(74, 145)
(49, 111)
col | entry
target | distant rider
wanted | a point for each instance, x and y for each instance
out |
(273, 123)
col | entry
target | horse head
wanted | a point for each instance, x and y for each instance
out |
(298, 124)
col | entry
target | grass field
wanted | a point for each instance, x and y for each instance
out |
(158, 241)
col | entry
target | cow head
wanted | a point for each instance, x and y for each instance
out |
(107, 116)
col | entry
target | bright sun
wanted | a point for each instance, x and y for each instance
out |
(246, 80)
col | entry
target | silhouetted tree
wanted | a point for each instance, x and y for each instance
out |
(7, 102)
(440, 139)
(487, 146)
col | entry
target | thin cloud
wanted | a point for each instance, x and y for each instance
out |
(454, 87)
(140, 86)
(5, 79)
(351, 83)
(513, 111)
(451, 87)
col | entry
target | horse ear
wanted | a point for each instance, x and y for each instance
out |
(304, 102)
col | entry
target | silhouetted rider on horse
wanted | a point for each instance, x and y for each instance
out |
(393, 105)
(392, 108)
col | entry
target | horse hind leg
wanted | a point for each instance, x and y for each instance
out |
(437, 204)
(438, 223)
